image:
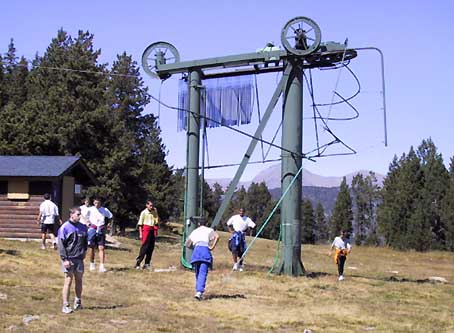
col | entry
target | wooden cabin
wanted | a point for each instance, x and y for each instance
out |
(23, 182)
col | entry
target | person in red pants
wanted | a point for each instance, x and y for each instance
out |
(148, 224)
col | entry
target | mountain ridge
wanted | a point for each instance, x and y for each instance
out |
(272, 178)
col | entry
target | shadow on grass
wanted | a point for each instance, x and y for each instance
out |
(104, 307)
(224, 296)
(401, 280)
(10, 252)
(113, 248)
(316, 275)
(121, 269)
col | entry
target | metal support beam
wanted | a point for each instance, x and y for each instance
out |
(292, 139)
(252, 145)
(193, 141)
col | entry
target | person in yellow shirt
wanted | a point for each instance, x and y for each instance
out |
(148, 224)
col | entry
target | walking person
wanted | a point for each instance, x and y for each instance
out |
(148, 224)
(203, 240)
(342, 247)
(72, 248)
(48, 214)
(97, 233)
(238, 225)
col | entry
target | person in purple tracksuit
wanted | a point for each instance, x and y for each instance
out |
(72, 248)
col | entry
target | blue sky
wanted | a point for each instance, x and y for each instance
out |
(416, 38)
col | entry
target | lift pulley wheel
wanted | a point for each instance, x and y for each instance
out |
(159, 53)
(301, 36)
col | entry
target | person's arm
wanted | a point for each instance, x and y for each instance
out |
(188, 243)
(61, 239)
(214, 241)
(140, 224)
(38, 220)
(331, 249)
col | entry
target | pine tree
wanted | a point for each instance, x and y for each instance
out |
(342, 216)
(436, 182)
(308, 223)
(448, 210)
(259, 205)
(399, 220)
(321, 224)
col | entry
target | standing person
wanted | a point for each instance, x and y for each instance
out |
(97, 233)
(238, 225)
(48, 214)
(148, 223)
(203, 240)
(85, 211)
(72, 247)
(342, 247)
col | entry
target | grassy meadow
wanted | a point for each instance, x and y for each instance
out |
(384, 291)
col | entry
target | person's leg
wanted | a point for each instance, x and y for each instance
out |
(91, 254)
(102, 254)
(43, 240)
(67, 287)
(142, 252)
(340, 265)
(78, 276)
(202, 274)
(150, 247)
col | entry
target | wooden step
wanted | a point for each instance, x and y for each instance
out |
(31, 235)
(28, 225)
(18, 216)
(19, 230)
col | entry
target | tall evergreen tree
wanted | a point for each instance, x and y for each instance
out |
(259, 205)
(342, 216)
(448, 210)
(308, 222)
(399, 220)
(436, 183)
(321, 224)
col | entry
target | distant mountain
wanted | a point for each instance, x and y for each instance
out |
(316, 188)
(272, 177)
(325, 195)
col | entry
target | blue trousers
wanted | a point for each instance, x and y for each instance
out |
(201, 274)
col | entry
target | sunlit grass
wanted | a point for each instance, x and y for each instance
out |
(126, 300)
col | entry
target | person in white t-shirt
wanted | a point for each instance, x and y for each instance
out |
(48, 214)
(203, 240)
(85, 211)
(238, 225)
(342, 247)
(97, 233)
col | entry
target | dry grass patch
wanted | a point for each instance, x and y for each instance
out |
(126, 300)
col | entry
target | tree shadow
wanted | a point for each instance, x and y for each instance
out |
(10, 252)
(104, 307)
(224, 296)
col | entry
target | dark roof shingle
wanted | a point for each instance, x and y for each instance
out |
(36, 166)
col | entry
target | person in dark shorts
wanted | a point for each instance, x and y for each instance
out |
(72, 248)
(238, 225)
(97, 232)
(48, 214)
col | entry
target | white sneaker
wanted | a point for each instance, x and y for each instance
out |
(102, 269)
(66, 309)
(43, 247)
(147, 267)
(77, 305)
(241, 268)
(92, 266)
(198, 295)
(341, 278)
(235, 266)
